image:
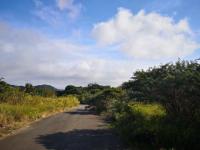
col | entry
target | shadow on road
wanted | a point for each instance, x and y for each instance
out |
(81, 112)
(101, 139)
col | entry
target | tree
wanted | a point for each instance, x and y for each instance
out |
(29, 88)
(71, 90)
(106, 100)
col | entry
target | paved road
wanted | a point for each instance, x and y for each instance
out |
(76, 130)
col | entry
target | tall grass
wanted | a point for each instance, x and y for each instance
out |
(30, 109)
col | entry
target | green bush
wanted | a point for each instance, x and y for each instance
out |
(105, 100)
(177, 88)
(140, 124)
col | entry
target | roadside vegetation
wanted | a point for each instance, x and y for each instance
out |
(158, 108)
(140, 125)
(17, 107)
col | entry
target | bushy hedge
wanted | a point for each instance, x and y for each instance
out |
(106, 100)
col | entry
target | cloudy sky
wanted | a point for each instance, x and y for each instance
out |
(61, 42)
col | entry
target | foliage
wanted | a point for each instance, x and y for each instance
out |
(84, 94)
(70, 89)
(148, 126)
(177, 88)
(29, 89)
(168, 115)
(105, 100)
(140, 123)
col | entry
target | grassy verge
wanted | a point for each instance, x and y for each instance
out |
(13, 116)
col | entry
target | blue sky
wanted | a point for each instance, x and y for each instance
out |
(62, 42)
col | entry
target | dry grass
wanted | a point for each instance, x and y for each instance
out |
(13, 116)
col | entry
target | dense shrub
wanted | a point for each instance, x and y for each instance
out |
(147, 126)
(139, 124)
(106, 100)
(177, 88)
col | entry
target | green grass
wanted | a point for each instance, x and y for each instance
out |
(31, 108)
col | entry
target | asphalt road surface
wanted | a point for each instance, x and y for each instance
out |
(76, 130)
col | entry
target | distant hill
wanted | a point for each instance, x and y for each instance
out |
(45, 86)
(39, 90)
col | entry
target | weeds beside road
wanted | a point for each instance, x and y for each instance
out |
(31, 108)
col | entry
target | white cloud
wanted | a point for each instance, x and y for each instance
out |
(70, 6)
(146, 35)
(57, 14)
(27, 55)
(49, 15)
